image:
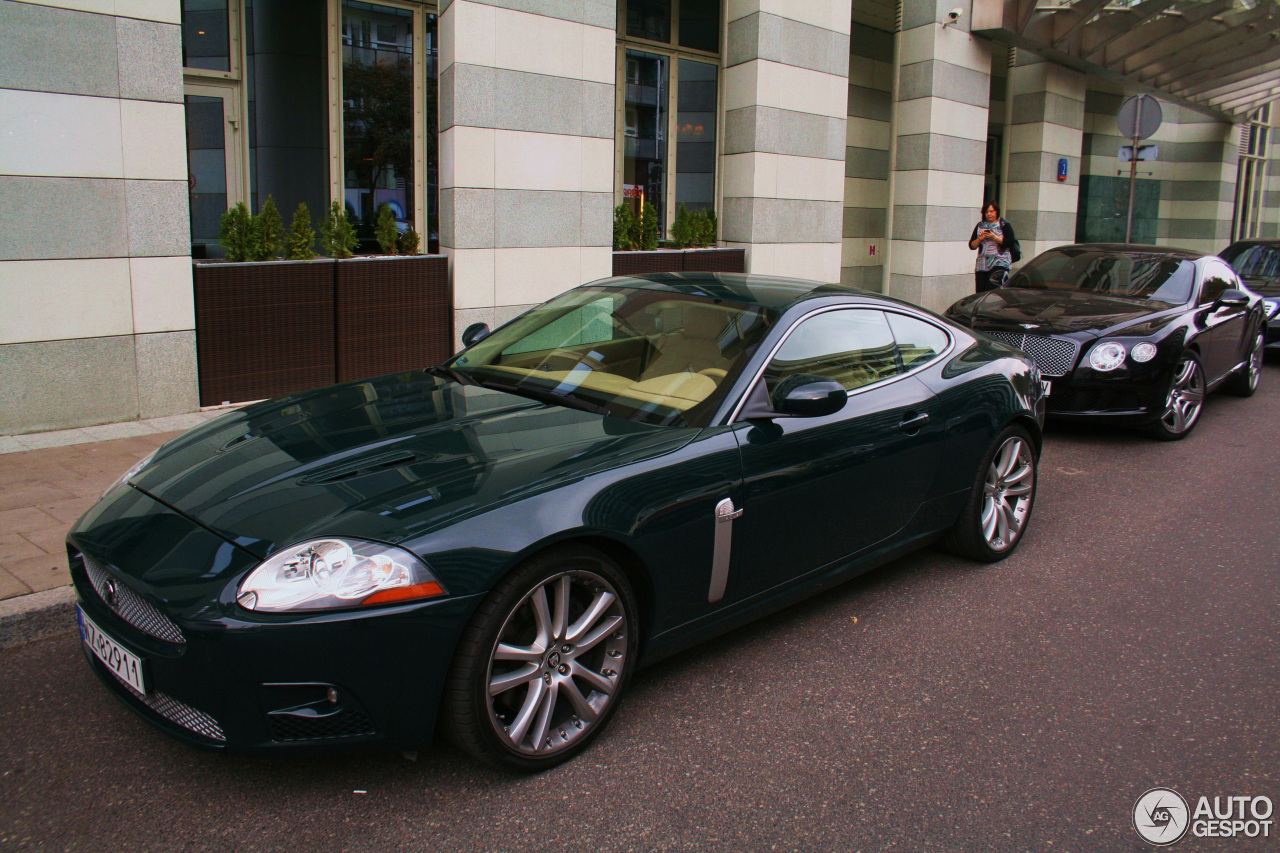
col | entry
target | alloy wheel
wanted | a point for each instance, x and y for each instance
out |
(1255, 361)
(555, 667)
(1007, 493)
(1186, 397)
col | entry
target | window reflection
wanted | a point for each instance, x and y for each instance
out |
(700, 24)
(649, 19)
(645, 148)
(696, 136)
(207, 166)
(205, 37)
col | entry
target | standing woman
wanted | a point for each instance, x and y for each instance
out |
(994, 239)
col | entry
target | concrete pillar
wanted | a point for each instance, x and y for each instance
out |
(1048, 126)
(526, 151)
(940, 144)
(869, 138)
(785, 93)
(1198, 167)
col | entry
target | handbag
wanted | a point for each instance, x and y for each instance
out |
(1015, 248)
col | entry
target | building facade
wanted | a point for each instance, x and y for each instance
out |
(838, 140)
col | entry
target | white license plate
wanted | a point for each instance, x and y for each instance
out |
(126, 665)
(1047, 386)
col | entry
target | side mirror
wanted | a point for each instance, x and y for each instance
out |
(1232, 298)
(475, 332)
(803, 395)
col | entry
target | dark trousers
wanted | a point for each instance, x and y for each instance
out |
(983, 280)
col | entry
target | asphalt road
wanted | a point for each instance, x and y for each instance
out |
(1133, 641)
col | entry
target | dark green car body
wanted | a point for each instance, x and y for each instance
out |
(473, 481)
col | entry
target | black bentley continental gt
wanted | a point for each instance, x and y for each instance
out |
(492, 546)
(1133, 335)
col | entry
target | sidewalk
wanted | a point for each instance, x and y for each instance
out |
(48, 480)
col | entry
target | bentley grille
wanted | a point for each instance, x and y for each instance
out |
(1054, 356)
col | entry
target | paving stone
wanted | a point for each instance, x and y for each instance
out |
(43, 572)
(11, 586)
(28, 519)
(57, 438)
(14, 548)
(123, 430)
(9, 444)
(30, 493)
(68, 512)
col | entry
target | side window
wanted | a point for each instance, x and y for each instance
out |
(1217, 278)
(853, 347)
(918, 342)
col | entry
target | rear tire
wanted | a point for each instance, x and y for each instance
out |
(543, 663)
(996, 513)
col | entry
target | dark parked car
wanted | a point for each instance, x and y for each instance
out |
(1133, 335)
(492, 546)
(1258, 264)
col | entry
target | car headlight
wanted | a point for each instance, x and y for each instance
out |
(128, 475)
(325, 574)
(1143, 352)
(1272, 308)
(1108, 356)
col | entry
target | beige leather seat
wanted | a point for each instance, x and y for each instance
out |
(693, 348)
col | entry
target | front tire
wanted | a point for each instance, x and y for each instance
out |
(1245, 382)
(544, 662)
(999, 506)
(1184, 402)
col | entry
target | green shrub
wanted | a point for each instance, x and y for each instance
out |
(385, 229)
(237, 234)
(270, 231)
(625, 226)
(682, 230)
(649, 228)
(337, 234)
(302, 240)
(409, 242)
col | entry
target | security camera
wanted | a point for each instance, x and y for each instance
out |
(954, 14)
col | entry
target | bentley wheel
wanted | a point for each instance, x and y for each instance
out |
(1245, 382)
(996, 513)
(544, 662)
(1184, 402)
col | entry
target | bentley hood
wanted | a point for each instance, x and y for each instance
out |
(1055, 312)
(382, 459)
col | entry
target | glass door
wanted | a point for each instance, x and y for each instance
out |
(214, 176)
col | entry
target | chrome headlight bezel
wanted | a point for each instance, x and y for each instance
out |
(131, 473)
(1107, 356)
(336, 573)
(1143, 352)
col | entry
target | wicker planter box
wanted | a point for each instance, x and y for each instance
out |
(271, 328)
(391, 314)
(680, 260)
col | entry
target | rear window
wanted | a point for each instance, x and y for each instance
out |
(1138, 275)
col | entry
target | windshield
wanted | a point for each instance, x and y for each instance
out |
(1253, 260)
(649, 355)
(1134, 275)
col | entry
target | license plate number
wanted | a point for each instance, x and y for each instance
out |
(1047, 386)
(126, 665)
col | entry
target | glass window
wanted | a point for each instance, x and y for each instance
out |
(1253, 259)
(206, 165)
(1217, 279)
(377, 114)
(1136, 275)
(696, 136)
(918, 342)
(700, 25)
(206, 41)
(649, 19)
(854, 347)
(644, 159)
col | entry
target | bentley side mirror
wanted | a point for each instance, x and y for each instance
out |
(803, 395)
(1232, 298)
(474, 333)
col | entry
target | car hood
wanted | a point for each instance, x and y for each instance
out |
(383, 459)
(1056, 312)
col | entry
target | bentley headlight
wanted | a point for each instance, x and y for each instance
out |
(128, 475)
(325, 574)
(1143, 352)
(1106, 357)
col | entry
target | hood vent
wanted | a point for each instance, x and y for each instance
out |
(367, 465)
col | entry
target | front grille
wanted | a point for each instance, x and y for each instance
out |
(349, 722)
(176, 712)
(1054, 356)
(130, 606)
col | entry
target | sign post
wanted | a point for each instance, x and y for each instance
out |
(1140, 116)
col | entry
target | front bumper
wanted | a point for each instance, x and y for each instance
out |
(348, 681)
(1126, 396)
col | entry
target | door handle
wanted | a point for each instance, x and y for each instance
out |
(911, 424)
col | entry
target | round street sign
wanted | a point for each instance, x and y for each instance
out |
(1151, 117)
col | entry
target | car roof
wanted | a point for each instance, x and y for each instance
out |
(1136, 249)
(775, 293)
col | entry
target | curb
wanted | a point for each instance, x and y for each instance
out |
(37, 616)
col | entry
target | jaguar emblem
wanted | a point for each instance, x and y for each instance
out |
(1028, 326)
(110, 592)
